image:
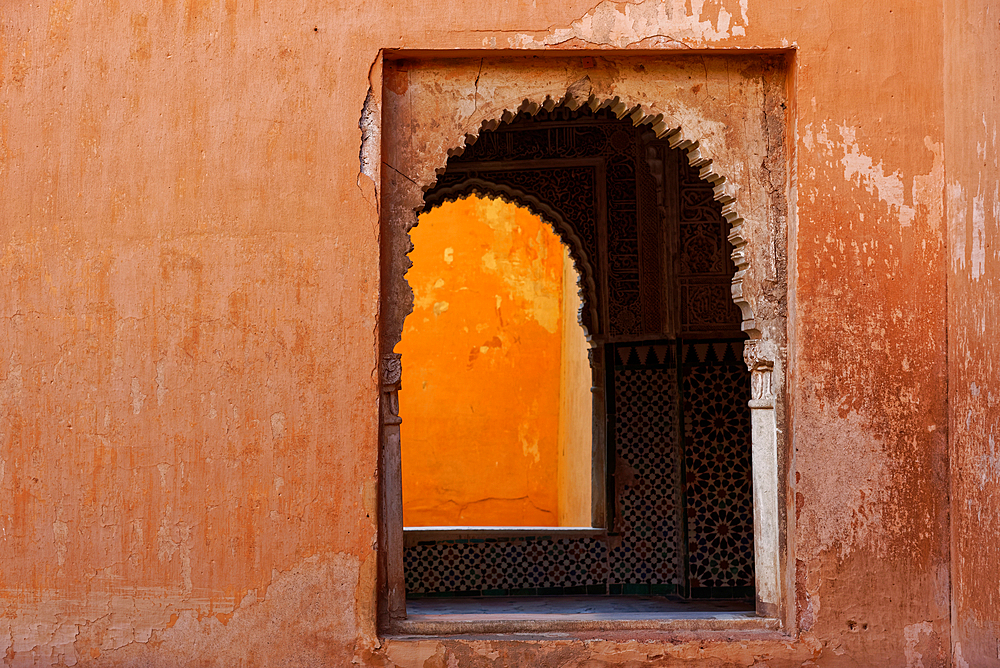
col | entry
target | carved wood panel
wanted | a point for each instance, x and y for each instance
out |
(705, 268)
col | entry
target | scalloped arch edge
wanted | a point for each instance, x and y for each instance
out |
(724, 192)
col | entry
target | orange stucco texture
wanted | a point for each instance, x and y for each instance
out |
(190, 284)
(480, 403)
(972, 166)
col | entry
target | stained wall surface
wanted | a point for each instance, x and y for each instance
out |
(972, 87)
(189, 288)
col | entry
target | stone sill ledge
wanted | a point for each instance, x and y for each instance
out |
(414, 535)
(577, 614)
(416, 626)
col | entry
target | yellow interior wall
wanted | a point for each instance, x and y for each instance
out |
(575, 409)
(482, 355)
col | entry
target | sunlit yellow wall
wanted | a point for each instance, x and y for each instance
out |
(575, 422)
(481, 354)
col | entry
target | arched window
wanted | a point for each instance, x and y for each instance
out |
(672, 469)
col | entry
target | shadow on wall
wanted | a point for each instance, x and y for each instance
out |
(496, 401)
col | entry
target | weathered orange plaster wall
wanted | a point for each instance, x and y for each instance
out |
(480, 402)
(868, 376)
(188, 295)
(183, 214)
(972, 87)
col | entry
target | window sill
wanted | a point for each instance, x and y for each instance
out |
(575, 615)
(414, 535)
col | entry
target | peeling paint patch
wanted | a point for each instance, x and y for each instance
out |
(889, 187)
(368, 123)
(161, 382)
(960, 661)
(528, 436)
(163, 469)
(12, 385)
(524, 271)
(989, 466)
(978, 255)
(277, 425)
(60, 537)
(911, 635)
(957, 206)
(138, 398)
(624, 24)
(851, 499)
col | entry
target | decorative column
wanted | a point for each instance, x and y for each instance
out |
(391, 523)
(759, 357)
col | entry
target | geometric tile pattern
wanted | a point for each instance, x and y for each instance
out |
(646, 553)
(718, 477)
(531, 564)
(647, 469)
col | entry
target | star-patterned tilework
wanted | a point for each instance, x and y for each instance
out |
(718, 476)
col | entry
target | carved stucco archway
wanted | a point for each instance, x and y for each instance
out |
(759, 286)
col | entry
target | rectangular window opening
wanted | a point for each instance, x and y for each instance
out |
(572, 426)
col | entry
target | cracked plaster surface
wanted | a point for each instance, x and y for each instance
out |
(674, 23)
(123, 628)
